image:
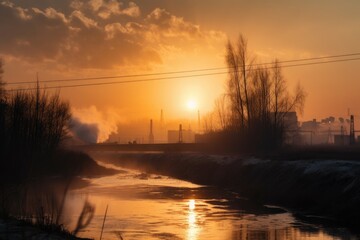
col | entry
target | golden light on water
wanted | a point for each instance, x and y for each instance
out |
(192, 204)
(192, 219)
(193, 228)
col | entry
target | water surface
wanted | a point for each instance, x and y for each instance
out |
(146, 206)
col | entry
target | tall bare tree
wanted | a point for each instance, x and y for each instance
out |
(208, 122)
(221, 112)
(2, 83)
(234, 86)
(282, 101)
(3, 107)
(245, 65)
(240, 66)
(259, 98)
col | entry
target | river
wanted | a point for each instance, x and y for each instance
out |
(146, 206)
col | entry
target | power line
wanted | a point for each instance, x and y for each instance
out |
(178, 77)
(121, 82)
(179, 72)
(317, 63)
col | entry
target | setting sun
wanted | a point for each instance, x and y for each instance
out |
(191, 105)
(168, 109)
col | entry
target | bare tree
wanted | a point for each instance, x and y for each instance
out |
(260, 94)
(234, 86)
(2, 83)
(240, 66)
(3, 107)
(258, 97)
(32, 127)
(221, 112)
(245, 68)
(208, 122)
(282, 101)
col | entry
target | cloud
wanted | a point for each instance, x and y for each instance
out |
(170, 25)
(77, 4)
(97, 34)
(107, 8)
(78, 19)
(95, 4)
(48, 13)
(133, 10)
(32, 34)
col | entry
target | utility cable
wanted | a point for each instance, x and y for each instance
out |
(184, 71)
(178, 77)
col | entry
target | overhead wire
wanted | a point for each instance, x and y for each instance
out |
(178, 72)
(181, 76)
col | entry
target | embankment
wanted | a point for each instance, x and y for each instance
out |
(31, 207)
(13, 229)
(329, 188)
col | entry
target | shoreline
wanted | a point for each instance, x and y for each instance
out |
(75, 171)
(328, 189)
(13, 228)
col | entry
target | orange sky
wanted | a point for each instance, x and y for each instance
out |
(72, 39)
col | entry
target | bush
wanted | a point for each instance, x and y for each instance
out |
(32, 126)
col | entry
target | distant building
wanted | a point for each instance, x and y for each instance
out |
(290, 120)
(314, 132)
(188, 136)
(327, 131)
(291, 124)
(310, 125)
(341, 140)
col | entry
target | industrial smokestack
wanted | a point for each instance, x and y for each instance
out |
(180, 134)
(151, 135)
(352, 130)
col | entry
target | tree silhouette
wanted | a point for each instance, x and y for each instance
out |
(257, 100)
(32, 125)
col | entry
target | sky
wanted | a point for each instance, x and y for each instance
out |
(77, 39)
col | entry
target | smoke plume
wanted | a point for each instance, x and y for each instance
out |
(87, 133)
(93, 126)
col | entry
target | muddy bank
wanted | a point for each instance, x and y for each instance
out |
(330, 188)
(12, 229)
(32, 207)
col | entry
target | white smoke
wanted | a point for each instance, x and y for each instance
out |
(86, 133)
(92, 125)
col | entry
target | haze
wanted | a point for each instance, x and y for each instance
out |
(76, 39)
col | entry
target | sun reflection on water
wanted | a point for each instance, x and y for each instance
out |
(191, 204)
(193, 228)
(155, 217)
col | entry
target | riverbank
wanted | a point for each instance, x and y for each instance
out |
(12, 229)
(328, 188)
(40, 198)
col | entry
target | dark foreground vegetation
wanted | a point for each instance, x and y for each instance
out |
(32, 125)
(36, 171)
(328, 188)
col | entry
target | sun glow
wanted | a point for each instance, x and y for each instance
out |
(192, 105)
